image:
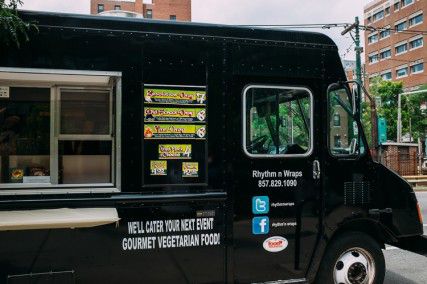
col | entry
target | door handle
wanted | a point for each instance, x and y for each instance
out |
(316, 169)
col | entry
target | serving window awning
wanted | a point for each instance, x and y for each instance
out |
(61, 218)
(47, 77)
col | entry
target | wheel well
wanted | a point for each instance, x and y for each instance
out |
(368, 227)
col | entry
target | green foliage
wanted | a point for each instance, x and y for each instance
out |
(414, 120)
(366, 122)
(13, 30)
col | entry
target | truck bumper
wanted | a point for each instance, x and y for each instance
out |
(416, 244)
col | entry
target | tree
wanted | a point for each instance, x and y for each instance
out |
(414, 120)
(13, 30)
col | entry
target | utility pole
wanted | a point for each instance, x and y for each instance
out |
(358, 49)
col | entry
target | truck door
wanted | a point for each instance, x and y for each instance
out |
(347, 171)
(275, 194)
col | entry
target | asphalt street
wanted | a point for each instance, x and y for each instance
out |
(422, 199)
(404, 267)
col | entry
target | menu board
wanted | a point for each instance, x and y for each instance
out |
(175, 135)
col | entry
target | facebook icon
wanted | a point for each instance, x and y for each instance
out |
(260, 225)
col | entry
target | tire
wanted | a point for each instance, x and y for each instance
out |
(350, 258)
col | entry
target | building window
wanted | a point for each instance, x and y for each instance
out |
(385, 54)
(369, 19)
(277, 121)
(402, 72)
(407, 2)
(385, 33)
(117, 7)
(149, 14)
(400, 27)
(337, 119)
(337, 141)
(100, 8)
(387, 10)
(172, 17)
(386, 76)
(378, 16)
(416, 43)
(417, 68)
(396, 6)
(416, 20)
(401, 48)
(373, 38)
(373, 58)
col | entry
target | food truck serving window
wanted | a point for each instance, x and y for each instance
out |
(277, 121)
(59, 130)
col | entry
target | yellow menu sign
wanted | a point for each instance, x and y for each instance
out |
(172, 96)
(175, 151)
(174, 131)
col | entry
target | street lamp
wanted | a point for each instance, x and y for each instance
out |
(399, 112)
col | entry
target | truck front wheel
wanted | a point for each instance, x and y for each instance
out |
(352, 258)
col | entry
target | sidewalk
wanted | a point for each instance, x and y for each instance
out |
(420, 188)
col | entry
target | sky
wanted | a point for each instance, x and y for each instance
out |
(251, 12)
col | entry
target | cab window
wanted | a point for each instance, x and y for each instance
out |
(278, 121)
(343, 129)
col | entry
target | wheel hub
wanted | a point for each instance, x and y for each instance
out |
(355, 266)
(357, 273)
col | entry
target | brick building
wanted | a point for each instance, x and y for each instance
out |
(350, 69)
(400, 157)
(394, 48)
(179, 10)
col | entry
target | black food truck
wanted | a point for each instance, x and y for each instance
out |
(137, 151)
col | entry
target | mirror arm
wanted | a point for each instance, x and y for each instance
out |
(374, 115)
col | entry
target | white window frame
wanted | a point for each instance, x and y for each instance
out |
(373, 35)
(389, 71)
(382, 30)
(407, 5)
(377, 12)
(400, 22)
(416, 63)
(400, 68)
(371, 55)
(68, 79)
(244, 121)
(384, 50)
(400, 6)
(414, 39)
(389, 7)
(400, 44)
(414, 16)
